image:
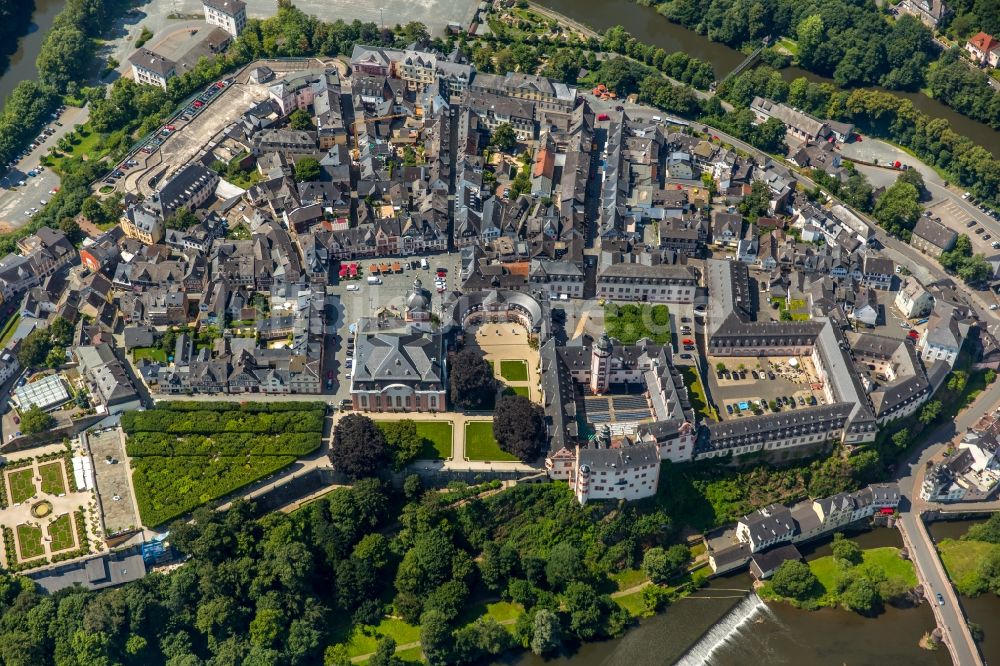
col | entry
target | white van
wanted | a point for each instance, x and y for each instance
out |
(374, 280)
(423, 263)
(657, 119)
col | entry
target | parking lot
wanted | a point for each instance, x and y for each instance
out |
(16, 199)
(777, 379)
(190, 137)
(951, 214)
(349, 300)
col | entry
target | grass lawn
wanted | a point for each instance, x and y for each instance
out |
(481, 445)
(53, 478)
(628, 578)
(437, 439)
(522, 391)
(29, 542)
(364, 639)
(9, 328)
(87, 146)
(61, 533)
(22, 485)
(149, 353)
(696, 393)
(514, 371)
(826, 569)
(632, 603)
(789, 45)
(961, 560)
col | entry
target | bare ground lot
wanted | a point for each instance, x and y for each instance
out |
(113, 481)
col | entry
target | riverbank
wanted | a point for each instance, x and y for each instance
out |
(886, 577)
(650, 27)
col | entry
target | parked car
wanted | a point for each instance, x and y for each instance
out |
(353, 287)
(729, 409)
(753, 373)
(970, 224)
(685, 356)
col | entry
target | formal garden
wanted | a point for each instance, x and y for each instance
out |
(514, 370)
(184, 454)
(61, 534)
(481, 444)
(29, 542)
(431, 440)
(22, 485)
(53, 477)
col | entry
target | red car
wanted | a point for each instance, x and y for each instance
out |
(688, 341)
(198, 104)
(603, 116)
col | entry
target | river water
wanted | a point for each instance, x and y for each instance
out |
(22, 62)
(723, 626)
(984, 610)
(646, 25)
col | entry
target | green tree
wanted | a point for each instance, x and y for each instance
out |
(519, 427)
(503, 137)
(385, 653)
(564, 565)
(307, 170)
(758, 202)
(794, 579)
(358, 448)
(861, 596)
(403, 442)
(846, 550)
(35, 420)
(901, 438)
(546, 632)
(473, 385)
(181, 219)
(435, 638)
(898, 209)
(930, 411)
(300, 119)
(661, 565)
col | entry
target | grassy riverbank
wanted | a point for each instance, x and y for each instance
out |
(962, 559)
(836, 580)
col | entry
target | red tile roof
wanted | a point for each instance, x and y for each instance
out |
(984, 42)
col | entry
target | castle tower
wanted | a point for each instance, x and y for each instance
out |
(600, 365)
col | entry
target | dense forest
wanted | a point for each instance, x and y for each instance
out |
(294, 589)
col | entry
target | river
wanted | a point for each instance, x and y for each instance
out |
(984, 610)
(721, 626)
(22, 62)
(646, 25)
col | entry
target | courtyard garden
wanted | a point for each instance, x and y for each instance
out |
(22, 485)
(436, 436)
(514, 370)
(630, 322)
(480, 444)
(696, 393)
(61, 533)
(53, 478)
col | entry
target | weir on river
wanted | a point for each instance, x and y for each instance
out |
(728, 629)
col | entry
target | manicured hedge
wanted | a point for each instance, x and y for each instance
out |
(185, 454)
(143, 444)
(167, 488)
(210, 422)
(195, 406)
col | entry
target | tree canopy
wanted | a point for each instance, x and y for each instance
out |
(473, 385)
(359, 447)
(519, 427)
(307, 169)
(794, 579)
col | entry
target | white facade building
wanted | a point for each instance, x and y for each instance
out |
(230, 15)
